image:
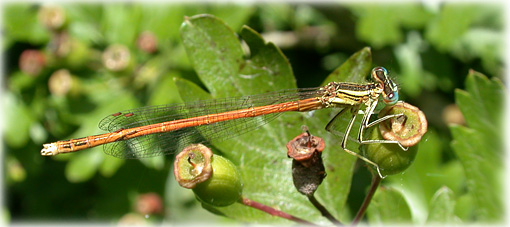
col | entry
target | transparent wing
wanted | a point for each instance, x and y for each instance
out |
(169, 142)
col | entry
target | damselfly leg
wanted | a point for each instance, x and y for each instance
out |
(365, 123)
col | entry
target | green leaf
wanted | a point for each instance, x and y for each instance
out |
(21, 24)
(214, 51)
(484, 43)
(19, 120)
(189, 91)
(267, 66)
(234, 15)
(442, 207)
(110, 165)
(470, 31)
(218, 58)
(425, 176)
(165, 91)
(388, 207)
(355, 69)
(451, 23)
(83, 166)
(482, 104)
(411, 69)
(182, 202)
(479, 146)
(19, 81)
(83, 20)
(120, 23)
(464, 207)
(277, 16)
(162, 20)
(387, 30)
(380, 24)
(157, 162)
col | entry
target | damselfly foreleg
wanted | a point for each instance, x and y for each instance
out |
(346, 135)
(365, 124)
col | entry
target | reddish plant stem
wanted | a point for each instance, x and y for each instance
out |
(272, 211)
(376, 180)
(324, 211)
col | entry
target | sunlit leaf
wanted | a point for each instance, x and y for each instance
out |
(261, 156)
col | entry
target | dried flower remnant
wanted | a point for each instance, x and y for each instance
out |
(452, 115)
(116, 57)
(32, 62)
(193, 165)
(407, 129)
(147, 42)
(149, 203)
(307, 166)
(52, 17)
(60, 82)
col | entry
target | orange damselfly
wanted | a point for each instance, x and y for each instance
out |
(160, 130)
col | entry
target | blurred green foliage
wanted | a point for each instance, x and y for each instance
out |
(161, 56)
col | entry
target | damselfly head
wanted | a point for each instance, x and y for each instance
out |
(390, 88)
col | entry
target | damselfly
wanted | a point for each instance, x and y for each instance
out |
(159, 130)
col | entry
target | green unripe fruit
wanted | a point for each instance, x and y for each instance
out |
(224, 187)
(214, 179)
(390, 157)
(407, 127)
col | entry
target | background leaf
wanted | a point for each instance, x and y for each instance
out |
(21, 23)
(445, 31)
(16, 131)
(395, 16)
(480, 146)
(442, 207)
(120, 23)
(388, 206)
(83, 167)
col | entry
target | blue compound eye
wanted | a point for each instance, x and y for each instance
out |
(391, 98)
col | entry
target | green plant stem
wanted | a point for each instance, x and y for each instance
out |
(274, 212)
(323, 210)
(376, 180)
